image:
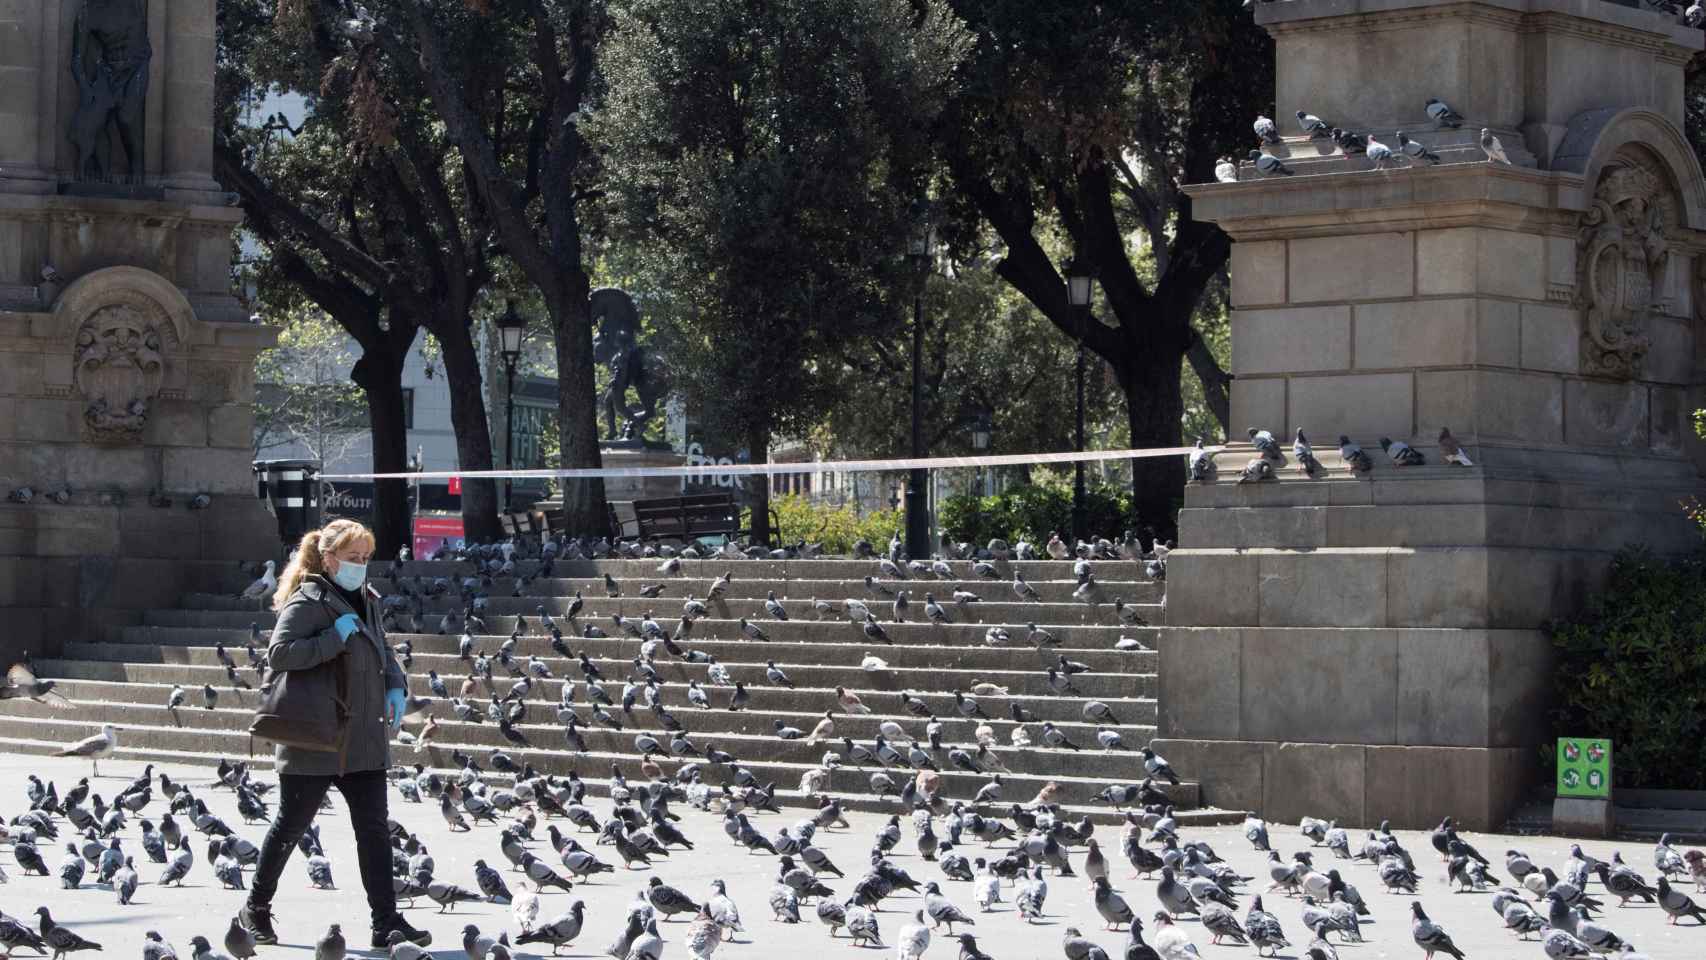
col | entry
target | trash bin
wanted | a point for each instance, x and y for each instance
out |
(291, 491)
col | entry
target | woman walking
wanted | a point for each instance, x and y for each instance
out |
(326, 610)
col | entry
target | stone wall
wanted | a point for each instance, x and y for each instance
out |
(1372, 647)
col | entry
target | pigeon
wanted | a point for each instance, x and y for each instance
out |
(1266, 130)
(1269, 165)
(1491, 146)
(1695, 15)
(1256, 471)
(1442, 115)
(1429, 935)
(1111, 905)
(1200, 463)
(332, 946)
(1678, 904)
(1355, 458)
(239, 941)
(1402, 453)
(1414, 150)
(1225, 171)
(1314, 126)
(200, 949)
(913, 939)
(1379, 154)
(559, 932)
(20, 681)
(1304, 453)
(1453, 454)
(1349, 142)
(1264, 443)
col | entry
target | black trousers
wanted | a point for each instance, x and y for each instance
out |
(299, 799)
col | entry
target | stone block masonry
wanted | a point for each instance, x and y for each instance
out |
(1372, 647)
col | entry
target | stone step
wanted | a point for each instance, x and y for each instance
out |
(713, 722)
(968, 637)
(500, 610)
(829, 568)
(1131, 697)
(1049, 591)
(756, 743)
(846, 651)
(785, 772)
(600, 787)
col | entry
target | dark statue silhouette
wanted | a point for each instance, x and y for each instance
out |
(616, 344)
(110, 54)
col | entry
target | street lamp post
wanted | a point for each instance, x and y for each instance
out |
(917, 510)
(510, 329)
(982, 426)
(1078, 285)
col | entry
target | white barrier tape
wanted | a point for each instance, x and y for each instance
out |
(751, 469)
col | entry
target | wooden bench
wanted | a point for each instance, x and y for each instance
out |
(523, 524)
(685, 518)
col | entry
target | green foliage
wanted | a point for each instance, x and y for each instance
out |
(303, 393)
(1633, 668)
(1030, 511)
(837, 528)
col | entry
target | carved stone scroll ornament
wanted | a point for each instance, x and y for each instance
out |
(1623, 254)
(118, 369)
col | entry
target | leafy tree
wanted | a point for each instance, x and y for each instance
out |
(769, 157)
(303, 394)
(1084, 121)
(981, 354)
(381, 235)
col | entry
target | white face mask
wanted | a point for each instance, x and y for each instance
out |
(350, 576)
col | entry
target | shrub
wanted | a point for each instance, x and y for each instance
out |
(1633, 668)
(1030, 511)
(837, 528)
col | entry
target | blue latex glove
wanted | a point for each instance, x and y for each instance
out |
(347, 624)
(396, 701)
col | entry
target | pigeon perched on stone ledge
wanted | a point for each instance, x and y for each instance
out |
(1442, 115)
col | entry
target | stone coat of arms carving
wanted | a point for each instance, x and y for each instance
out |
(1623, 255)
(118, 368)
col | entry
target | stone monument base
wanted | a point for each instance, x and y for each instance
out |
(619, 455)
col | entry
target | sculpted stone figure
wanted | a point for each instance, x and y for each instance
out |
(1624, 255)
(118, 367)
(110, 54)
(616, 345)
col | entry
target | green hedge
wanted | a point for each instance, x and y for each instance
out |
(837, 528)
(1633, 668)
(1030, 511)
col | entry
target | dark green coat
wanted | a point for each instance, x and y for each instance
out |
(304, 637)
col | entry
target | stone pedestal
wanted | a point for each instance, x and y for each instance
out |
(126, 370)
(1580, 817)
(1370, 648)
(619, 489)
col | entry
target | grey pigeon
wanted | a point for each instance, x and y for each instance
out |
(1269, 165)
(1266, 130)
(1402, 453)
(1379, 154)
(1430, 936)
(1442, 115)
(1354, 456)
(332, 945)
(239, 941)
(1414, 150)
(1317, 128)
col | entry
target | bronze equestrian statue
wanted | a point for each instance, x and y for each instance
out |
(110, 54)
(615, 343)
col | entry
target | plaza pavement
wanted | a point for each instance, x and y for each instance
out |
(201, 906)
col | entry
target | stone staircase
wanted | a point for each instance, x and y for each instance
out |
(125, 678)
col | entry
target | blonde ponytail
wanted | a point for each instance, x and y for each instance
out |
(310, 558)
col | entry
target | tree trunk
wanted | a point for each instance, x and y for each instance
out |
(584, 510)
(758, 486)
(379, 373)
(473, 435)
(1154, 408)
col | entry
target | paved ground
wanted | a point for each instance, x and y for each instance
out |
(201, 906)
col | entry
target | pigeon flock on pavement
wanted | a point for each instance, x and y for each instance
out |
(1269, 458)
(971, 870)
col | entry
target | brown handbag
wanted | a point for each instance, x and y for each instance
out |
(307, 709)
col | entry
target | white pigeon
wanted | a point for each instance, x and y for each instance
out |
(1695, 15)
(1491, 146)
(1265, 129)
(96, 747)
(525, 908)
(263, 585)
(873, 663)
(1226, 171)
(1170, 942)
(914, 939)
(1378, 153)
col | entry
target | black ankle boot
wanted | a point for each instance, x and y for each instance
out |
(258, 921)
(382, 933)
